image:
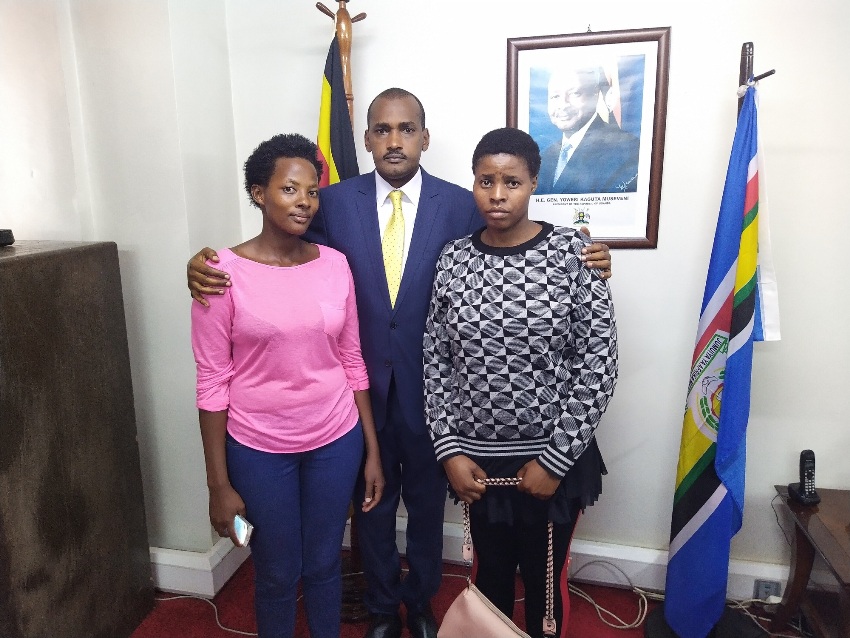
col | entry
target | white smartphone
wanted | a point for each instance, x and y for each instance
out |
(243, 530)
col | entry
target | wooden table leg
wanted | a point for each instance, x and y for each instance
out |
(802, 559)
(844, 609)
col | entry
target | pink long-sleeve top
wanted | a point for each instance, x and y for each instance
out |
(280, 351)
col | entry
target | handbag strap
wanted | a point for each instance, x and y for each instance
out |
(549, 625)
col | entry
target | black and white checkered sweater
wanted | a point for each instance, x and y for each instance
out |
(520, 350)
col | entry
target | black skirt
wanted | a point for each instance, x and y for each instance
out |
(579, 488)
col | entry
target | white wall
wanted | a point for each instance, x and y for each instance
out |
(117, 126)
(37, 176)
(453, 56)
(144, 145)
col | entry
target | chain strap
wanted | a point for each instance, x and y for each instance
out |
(549, 618)
(511, 480)
(549, 625)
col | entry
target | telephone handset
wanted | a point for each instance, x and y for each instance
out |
(804, 492)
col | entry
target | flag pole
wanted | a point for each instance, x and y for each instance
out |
(745, 71)
(342, 23)
(353, 583)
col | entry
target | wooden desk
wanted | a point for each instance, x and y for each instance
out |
(823, 529)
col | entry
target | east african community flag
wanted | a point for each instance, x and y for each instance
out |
(739, 306)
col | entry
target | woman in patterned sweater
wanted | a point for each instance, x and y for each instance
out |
(520, 364)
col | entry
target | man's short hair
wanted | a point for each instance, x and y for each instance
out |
(591, 75)
(394, 93)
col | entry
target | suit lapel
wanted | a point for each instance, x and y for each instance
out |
(367, 220)
(547, 167)
(579, 173)
(426, 216)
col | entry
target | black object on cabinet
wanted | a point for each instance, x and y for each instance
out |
(74, 556)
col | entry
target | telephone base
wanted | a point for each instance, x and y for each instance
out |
(798, 495)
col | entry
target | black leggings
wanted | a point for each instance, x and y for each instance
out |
(501, 548)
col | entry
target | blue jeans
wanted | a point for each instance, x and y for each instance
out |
(298, 504)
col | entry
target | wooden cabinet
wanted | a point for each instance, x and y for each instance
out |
(74, 557)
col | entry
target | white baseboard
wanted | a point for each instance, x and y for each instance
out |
(626, 566)
(196, 573)
(204, 574)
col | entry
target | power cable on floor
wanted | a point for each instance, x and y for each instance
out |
(211, 604)
(643, 596)
(615, 622)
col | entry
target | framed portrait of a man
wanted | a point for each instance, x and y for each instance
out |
(596, 104)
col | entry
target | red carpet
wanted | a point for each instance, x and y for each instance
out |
(192, 618)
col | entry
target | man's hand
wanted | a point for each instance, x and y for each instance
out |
(203, 279)
(537, 481)
(462, 472)
(596, 256)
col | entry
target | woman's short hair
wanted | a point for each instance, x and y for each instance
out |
(259, 167)
(510, 141)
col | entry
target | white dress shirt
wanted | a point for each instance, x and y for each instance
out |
(409, 206)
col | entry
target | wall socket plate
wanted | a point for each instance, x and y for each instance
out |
(765, 588)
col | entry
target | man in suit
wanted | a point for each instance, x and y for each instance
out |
(592, 156)
(358, 217)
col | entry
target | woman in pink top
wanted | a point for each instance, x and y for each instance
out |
(283, 396)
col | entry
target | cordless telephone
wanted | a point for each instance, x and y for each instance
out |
(804, 492)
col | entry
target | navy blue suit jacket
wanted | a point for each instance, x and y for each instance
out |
(605, 161)
(391, 338)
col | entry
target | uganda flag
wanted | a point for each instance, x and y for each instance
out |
(737, 309)
(336, 138)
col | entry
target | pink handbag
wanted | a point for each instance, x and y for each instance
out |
(471, 615)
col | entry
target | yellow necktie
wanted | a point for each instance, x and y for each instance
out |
(393, 245)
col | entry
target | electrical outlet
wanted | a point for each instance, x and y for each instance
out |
(765, 588)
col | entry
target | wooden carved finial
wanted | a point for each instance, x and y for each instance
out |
(342, 22)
